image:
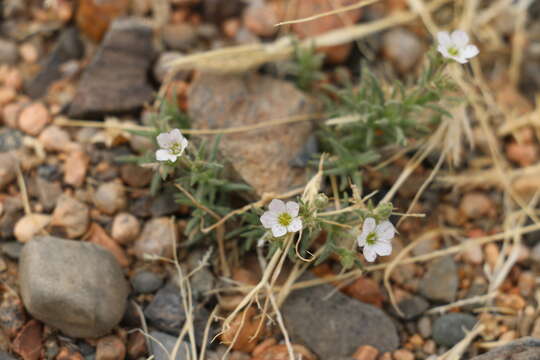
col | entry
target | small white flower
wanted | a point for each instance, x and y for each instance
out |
(456, 46)
(282, 218)
(376, 239)
(172, 145)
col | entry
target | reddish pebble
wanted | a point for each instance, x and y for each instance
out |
(403, 354)
(475, 205)
(29, 53)
(110, 348)
(33, 118)
(28, 341)
(136, 345)
(7, 95)
(68, 354)
(75, 168)
(522, 154)
(366, 352)
(260, 19)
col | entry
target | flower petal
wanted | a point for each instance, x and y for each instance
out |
(369, 225)
(460, 38)
(277, 206)
(361, 239)
(268, 219)
(385, 231)
(382, 248)
(183, 143)
(278, 230)
(165, 155)
(292, 208)
(164, 140)
(370, 254)
(295, 225)
(443, 38)
(176, 136)
(470, 51)
(444, 51)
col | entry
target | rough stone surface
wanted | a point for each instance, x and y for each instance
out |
(448, 329)
(440, 283)
(335, 327)
(70, 217)
(223, 101)
(168, 342)
(77, 287)
(10, 139)
(116, 79)
(110, 197)
(526, 348)
(7, 169)
(156, 238)
(413, 306)
(145, 282)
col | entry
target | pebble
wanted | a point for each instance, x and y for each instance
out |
(13, 79)
(28, 343)
(125, 228)
(146, 282)
(366, 352)
(243, 333)
(66, 353)
(33, 118)
(77, 287)
(156, 238)
(403, 354)
(30, 225)
(10, 114)
(136, 345)
(110, 348)
(179, 37)
(9, 53)
(413, 306)
(70, 217)
(202, 281)
(55, 138)
(47, 192)
(475, 205)
(512, 301)
(522, 154)
(97, 235)
(29, 53)
(136, 176)
(424, 327)
(526, 283)
(75, 168)
(365, 290)
(526, 348)
(260, 18)
(448, 329)
(12, 314)
(492, 253)
(7, 95)
(163, 345)
(403, 48)
(8, 166)
(473, 254)
(12, 249)
(280, 352)
(440, 282)
(110, 197)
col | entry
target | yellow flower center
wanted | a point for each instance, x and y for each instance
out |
(176, 148)
(284, 219)
(371, 238)
(453, 51)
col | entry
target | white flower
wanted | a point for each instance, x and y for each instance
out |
(376, 239)
(282, 218)
(172, 145)
(456, 46)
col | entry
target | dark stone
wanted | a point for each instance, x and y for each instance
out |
(145, 282)
(163, 345)
(440, 283)
(69, 47)
(49, 172)
(13, 211)
(219, 10)
(413, 306)
(6, 356)
(448, 329)
(526, 348)
(12, 249)
(140, 207)
(116, 79)
(164, 204)
(10, 139)
(304, 156)
(336, 326)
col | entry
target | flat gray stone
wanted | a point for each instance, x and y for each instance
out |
(163, 345)
(448, 329)
(77, 287)
(440, 282)
(526, 348)
(335, 327)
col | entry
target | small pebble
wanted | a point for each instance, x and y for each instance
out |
(110, 348)
(145, 282)
(125, 228)
(403, 354)
(475, 205)
(424, 327)
(34, 118)
(366, 352)
(448, 329)
(110, 197)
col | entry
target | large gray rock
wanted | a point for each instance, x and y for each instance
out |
(259, 156)
(440, 283)
(526, 348)
(116, 79)
(336, 326)
(77, 287)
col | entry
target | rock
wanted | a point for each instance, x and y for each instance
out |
(413, 306)
(146, 282)
(116, 79)
(136, 176)
(110, 348)
(365, 290)
(440, 283)
(68, 47)
(54, 138)
(256, 155)
(47, 192)
(6, 356)
(12, 314)
(305, 8)
(110, 197)
(260, 18)
(167, 314)
(216, 10)
(66, 353)
(280, 352)
(522, 154)
(7, 95)
(164, 204)
(94, 16)
(163, 345)
(477, 288)
(125, 228)
(30, 225)
(526, 283)
(342, 323)
(33, 118)
(179, 36)
(424, 327)
(27, 344)
(526, 348)
(74, 286)
(157, 238)
(75, 168)
(366, 352)
(70, 217)
(136, 345)
(12, 249)
(8, 167)
(475, 205)
(244, 331)
(202, 280)
(403, 354)
(162, 67)
(10, 139)
(97, 235)
(448, 329)
(29, 52)
(9, 54)
(402, 48)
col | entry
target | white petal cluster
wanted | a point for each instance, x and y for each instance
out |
(456, 46)
(172, 145)
(282, 218)
(376, 238)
